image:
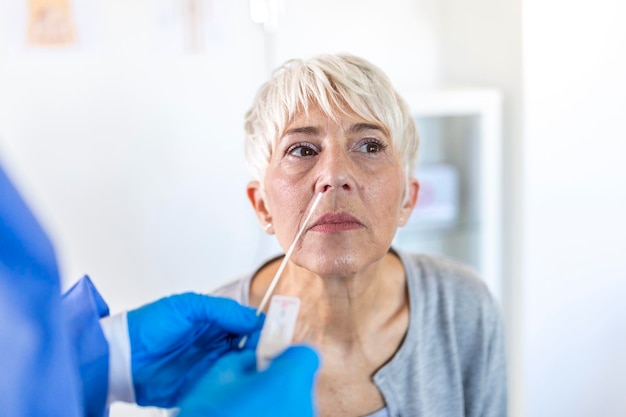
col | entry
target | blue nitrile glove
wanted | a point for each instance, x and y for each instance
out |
(234, 388)
(175, 340)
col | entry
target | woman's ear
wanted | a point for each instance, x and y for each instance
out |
(257, 199)
(409, 202)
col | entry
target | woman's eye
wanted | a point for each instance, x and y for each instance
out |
(371, 147)
(302, 150)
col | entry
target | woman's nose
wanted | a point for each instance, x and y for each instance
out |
(335, 171)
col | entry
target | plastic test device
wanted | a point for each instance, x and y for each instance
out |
(277, 333)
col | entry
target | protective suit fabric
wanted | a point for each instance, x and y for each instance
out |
(39, 376)
(83, 308)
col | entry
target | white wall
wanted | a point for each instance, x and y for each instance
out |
(574, 268)
(131, 149)
(400, 36)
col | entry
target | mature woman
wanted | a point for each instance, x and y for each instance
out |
(400, 334)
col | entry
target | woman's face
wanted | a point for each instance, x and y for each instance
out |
(353, 163)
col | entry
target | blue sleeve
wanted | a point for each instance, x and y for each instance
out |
(83, 307)
(38, 377)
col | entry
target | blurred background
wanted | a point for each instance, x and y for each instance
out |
(122, 123)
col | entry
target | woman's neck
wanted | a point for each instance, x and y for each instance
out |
(340, 310)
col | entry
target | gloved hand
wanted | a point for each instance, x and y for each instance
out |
(234, 388)
(175, 340)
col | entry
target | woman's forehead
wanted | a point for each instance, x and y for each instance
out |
(317, 115)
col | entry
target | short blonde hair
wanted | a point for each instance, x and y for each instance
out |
(341, 82)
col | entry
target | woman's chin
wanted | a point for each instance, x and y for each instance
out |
(332, 265)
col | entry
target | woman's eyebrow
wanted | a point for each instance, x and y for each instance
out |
(360, 127)
(307, 130)
(313, 130)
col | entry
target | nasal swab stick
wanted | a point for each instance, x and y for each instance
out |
(279, 272)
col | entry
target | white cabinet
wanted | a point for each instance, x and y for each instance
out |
(459, 210)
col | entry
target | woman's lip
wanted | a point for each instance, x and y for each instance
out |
(340, 221)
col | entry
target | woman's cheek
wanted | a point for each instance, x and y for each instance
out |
(289, 202)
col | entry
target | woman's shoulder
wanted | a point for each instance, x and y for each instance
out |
(449, 297)
(442, 279)
(237, 289)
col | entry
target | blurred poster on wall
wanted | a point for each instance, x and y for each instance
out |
(194, 25)
(50, 26)
(50, 22)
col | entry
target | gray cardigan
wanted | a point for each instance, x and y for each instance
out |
(451, 362)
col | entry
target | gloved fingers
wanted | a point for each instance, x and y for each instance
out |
(252, 339)
(175, 340)
(235, 363)
(228, 368)
(293, 373)
(233, 387)
(226, 313)
(229, 388)
(302, 357)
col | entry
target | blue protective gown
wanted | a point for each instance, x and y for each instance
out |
(53, 355)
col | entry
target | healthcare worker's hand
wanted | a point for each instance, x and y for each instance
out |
(175, 340)
(234, 388)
